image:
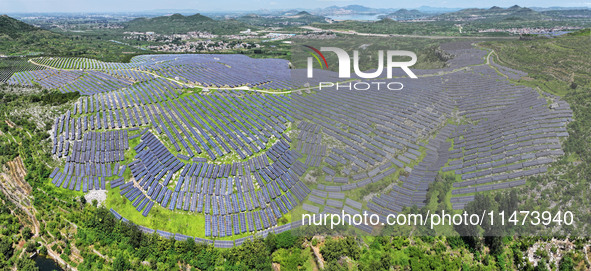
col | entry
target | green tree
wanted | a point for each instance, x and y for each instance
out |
(542, 265)
(27, 233)
(252, 255)
(6, 247)
(289, 259)
(31, 247)
(25, 263)
(121, 263)
(271, 242)
(286, 240)
(43, 250)
(135, 238)
(334, 249)
(566, 263)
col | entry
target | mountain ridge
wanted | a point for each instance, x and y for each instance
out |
(178, 23)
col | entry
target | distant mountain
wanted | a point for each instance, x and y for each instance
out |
(305, 14)
(568, 13)
(558, 8)
(13, 27)
(359, 8)
(493, 14)
(174, 18)
(289, 12)
(290, 17)
(177, 23)
(405, 14)
(351, 9)
(428, 9)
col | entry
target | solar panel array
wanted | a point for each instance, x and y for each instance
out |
(12, 65)
(226, 154)
(90, 160)
(508, 133)
(200, 128)
(91, 76)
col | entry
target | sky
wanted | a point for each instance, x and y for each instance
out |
(15, 6)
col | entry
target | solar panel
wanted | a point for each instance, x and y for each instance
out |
(251, 226)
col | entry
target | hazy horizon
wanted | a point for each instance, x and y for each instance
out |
(135, 6)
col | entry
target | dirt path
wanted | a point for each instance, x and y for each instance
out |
(148, 72)
(99, 254)
(241, 87)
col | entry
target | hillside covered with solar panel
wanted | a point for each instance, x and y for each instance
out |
(222, 148)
